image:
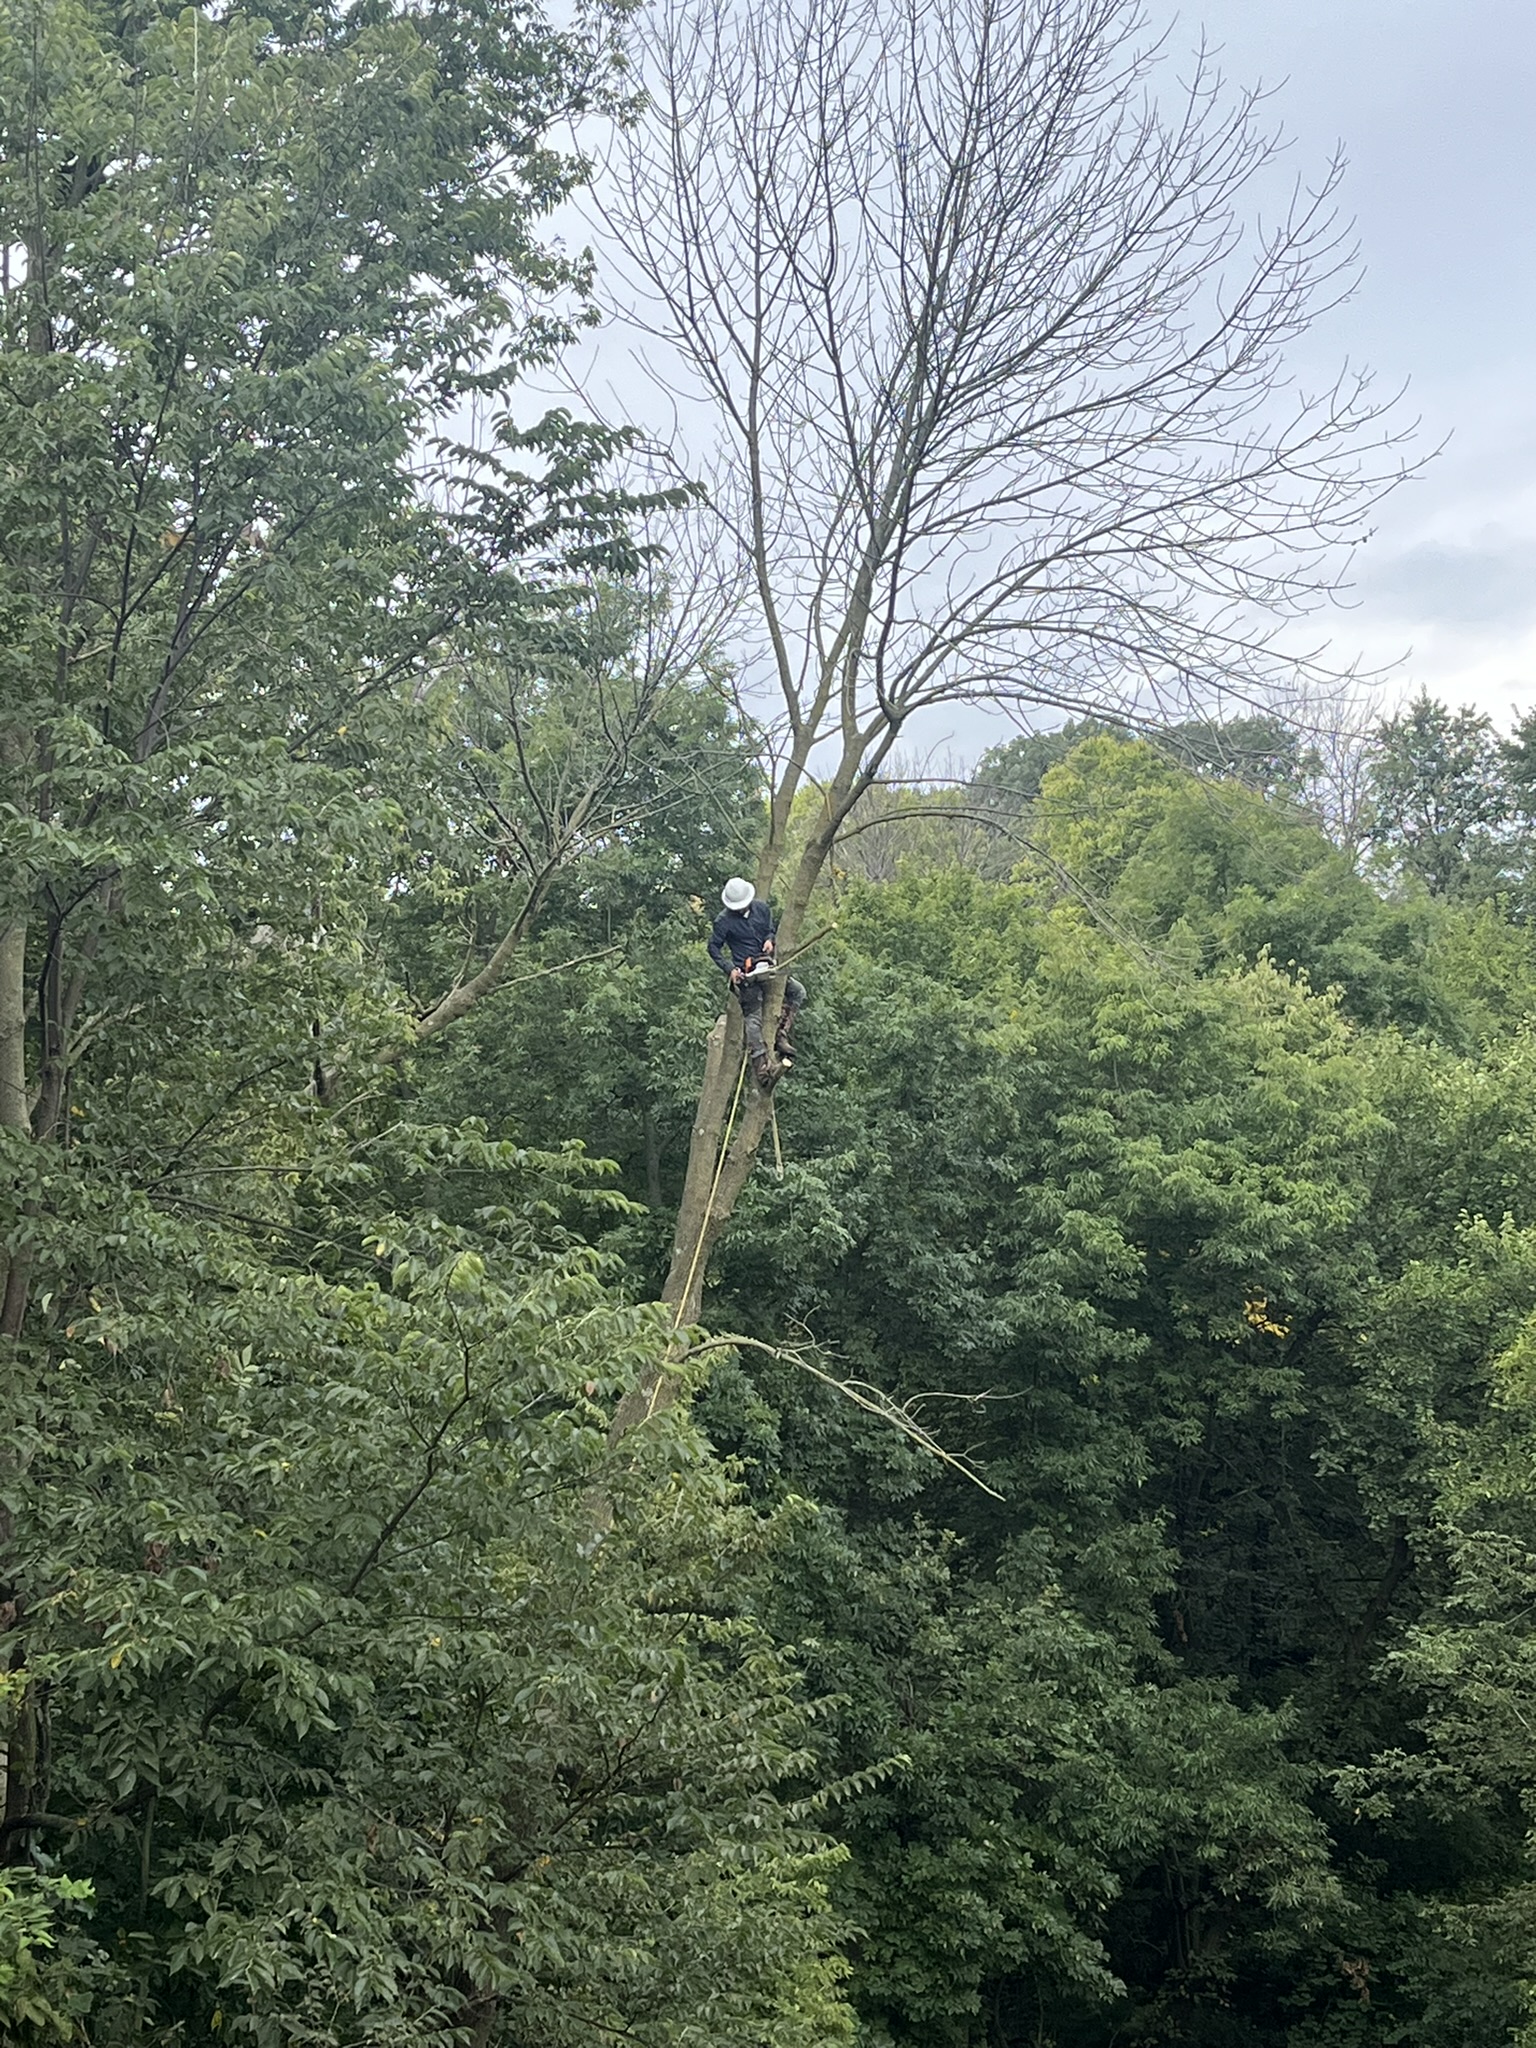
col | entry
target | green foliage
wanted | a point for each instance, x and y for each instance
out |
(32, 2000)
(1139, 1232)
(580, 784)
(1080, 1212)
(1008, 776)
(1202, 1727)
(360, 1730)
(356, 1688)
(257, 270)
(1439, 800)
(1217, 875)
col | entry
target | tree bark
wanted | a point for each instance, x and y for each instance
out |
(702, 1222)
(722, 1064)
(13, 1027)
(14, 1113)
(734, 1114)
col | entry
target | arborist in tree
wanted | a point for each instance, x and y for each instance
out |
(741, 946)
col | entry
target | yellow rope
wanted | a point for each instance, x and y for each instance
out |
(725, 1146)
(714, 1189)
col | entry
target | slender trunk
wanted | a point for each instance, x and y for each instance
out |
(25, 1735)
(53, 1065)
(15, 1265)
(26, 1770)
(146, 1856)
(13, 1027)
(1362, 1637)
(461, 999)
(13, 1305)
(652, 1157)
(26, 1765)
(779, 814)
(22, 1738)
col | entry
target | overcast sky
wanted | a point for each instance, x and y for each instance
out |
(1431, 101)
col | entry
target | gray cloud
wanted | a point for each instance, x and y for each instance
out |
(1432, 104)
(1489, 584)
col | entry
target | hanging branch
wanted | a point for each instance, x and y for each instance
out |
(871, 1399)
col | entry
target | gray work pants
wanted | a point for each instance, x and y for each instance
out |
(752, 995)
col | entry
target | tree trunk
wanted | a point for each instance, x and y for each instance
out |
(734, 1113)
(710, 1191)
(652, 1142)
(13, 1027)
(24, 1751)
(19, 1755)
(702, 1221)
(722, 1066)
(14, 1114)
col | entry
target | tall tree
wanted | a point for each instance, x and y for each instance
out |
(996, 369)
(250, 266)
(292, 1442)
(1440, 797)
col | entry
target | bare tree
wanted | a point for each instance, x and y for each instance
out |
(994, 361)
(1338, 786)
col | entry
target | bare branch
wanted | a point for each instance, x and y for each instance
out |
(984, 335)
(872, 1399)
(995, 357)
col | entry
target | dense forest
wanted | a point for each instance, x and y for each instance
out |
(1071, 1584)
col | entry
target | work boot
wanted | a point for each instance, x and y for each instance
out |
(765, 1069)
(783, 1044)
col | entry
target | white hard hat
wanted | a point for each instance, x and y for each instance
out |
(737, 894)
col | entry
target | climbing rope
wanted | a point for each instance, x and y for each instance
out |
(714, 1189)
(725, 1144)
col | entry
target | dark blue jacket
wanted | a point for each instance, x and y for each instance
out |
(740, 935)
